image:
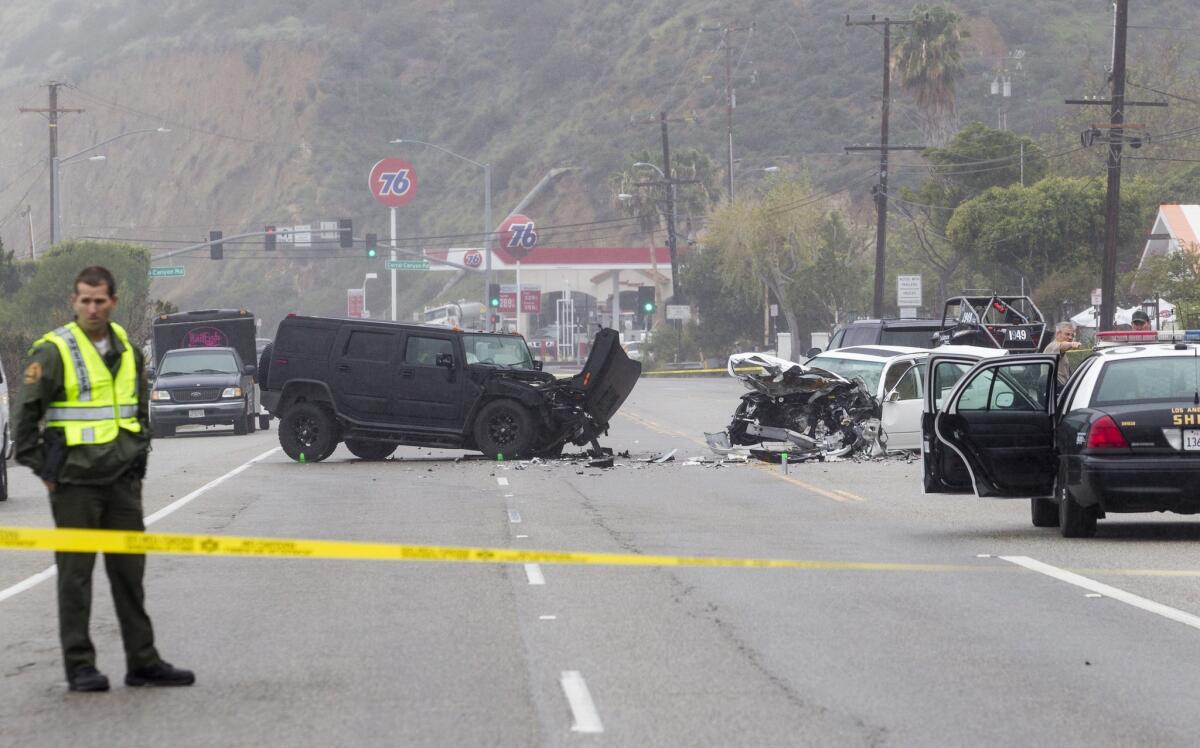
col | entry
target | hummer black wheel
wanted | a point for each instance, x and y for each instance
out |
(309, 429)
(366, 449)
(504, 427)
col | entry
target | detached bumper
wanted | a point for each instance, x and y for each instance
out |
(1154, 484)
(180, 414)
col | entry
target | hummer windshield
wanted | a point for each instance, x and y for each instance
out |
(499, 350)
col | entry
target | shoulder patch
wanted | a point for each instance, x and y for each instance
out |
(33, 373)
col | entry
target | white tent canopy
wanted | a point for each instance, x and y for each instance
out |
(1091, 317)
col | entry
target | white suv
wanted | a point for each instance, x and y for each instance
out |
(6, 442)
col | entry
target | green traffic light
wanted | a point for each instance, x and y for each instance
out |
(371, 253)
(648, 307)
(495, 302)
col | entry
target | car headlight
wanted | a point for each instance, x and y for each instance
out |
(160, 395)
(231, 392)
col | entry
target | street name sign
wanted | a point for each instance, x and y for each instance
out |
(169, 271)
(679, 311)
(408, 264)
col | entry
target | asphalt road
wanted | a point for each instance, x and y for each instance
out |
(312, 652)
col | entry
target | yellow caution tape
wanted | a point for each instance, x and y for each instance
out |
(121, 541)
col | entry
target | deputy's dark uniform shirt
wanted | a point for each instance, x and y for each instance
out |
(45, 450)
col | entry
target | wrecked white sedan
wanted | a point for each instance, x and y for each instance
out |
(865, 398)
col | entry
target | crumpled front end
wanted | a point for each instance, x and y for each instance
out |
(810, 411)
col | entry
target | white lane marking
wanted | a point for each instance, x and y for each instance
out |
(514, 516)
(502, 481)
(1166, 611)
(534, 574)
(32, 581)
(178, 503)
(583, 711)
(174, 506)
(519, 537)
(547, 618)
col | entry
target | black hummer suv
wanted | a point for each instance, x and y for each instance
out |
(376, 385)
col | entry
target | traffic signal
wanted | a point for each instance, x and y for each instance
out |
(372, 246)
(494, 295)
(269, 239)
(216, 250)
(345, 233)
(645, 299)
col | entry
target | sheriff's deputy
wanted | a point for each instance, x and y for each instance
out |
(86, 381)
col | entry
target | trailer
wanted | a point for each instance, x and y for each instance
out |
(206, 328)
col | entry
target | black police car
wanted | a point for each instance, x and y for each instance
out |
(376, 385)
(1122, 435)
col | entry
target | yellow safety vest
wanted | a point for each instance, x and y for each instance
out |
(97, 405)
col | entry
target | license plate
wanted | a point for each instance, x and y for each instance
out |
(1191, 440)
(196, 413)
(1017, 335)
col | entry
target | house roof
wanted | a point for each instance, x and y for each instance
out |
(1175, 227)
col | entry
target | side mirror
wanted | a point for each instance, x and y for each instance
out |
(151, 372)
(249, 369)
(893, 397)
(811, 352)
(445, 360)
(537, 364)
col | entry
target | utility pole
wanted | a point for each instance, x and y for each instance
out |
(672, 239)
(670, 182)
(730, 94)
(1115, 140)
(884, 148)
(52, 112)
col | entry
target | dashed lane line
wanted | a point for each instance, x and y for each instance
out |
(502, 481)
(44, 574)
(533, 572)
(584, 716)
(1137, 601)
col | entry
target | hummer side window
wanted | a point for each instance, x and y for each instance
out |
(421, 351)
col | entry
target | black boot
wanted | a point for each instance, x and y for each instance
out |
(87, 678)
(160, 674)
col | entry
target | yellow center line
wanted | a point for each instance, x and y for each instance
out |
(835, 494)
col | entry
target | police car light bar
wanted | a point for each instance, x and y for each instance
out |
(1134, 337)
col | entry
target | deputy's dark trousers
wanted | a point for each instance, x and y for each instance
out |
(117, 506)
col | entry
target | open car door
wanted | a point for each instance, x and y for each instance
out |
(998, 421)
(944, 471)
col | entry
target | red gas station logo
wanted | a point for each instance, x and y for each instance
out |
(473, 258)
(518, 235)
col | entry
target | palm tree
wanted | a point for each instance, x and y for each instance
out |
(927, 59)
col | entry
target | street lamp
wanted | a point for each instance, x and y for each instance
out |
(367, 277)
(487, 213)
(56, 163)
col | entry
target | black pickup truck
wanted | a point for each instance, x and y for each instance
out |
(376, 385)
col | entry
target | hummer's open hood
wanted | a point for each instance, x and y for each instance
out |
(607, 378)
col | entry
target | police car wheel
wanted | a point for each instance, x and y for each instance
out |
(308, 429)
(1045, 512)
(240, 427)
(1075, 520)
(504, 428)
(3, 475)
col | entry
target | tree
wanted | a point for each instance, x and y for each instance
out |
(799, 247)
(975, 160)
(927, 59)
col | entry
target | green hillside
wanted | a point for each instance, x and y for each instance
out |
(278, 109)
